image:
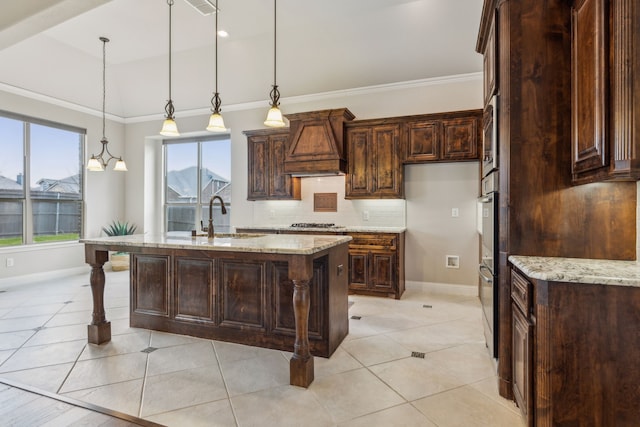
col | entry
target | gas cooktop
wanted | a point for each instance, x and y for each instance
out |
(315, 225)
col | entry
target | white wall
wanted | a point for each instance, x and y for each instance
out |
(104, 191)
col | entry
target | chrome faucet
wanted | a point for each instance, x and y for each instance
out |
(224, 212)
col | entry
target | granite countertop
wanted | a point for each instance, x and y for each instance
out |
(579, 270)
(229, 242)
(336, 229)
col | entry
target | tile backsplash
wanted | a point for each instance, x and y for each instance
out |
(380, 212)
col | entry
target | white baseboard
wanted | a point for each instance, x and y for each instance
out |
(443, 288)
(41, 277)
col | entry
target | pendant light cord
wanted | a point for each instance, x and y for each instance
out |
(217, 12)
(104, 82)
(274, 41)
(170, 2)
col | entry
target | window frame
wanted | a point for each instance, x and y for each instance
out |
(199, 204)
(27, 200)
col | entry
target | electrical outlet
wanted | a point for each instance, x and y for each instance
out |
(365, 215)
(455, 212)
(272, 213)
(9, 262)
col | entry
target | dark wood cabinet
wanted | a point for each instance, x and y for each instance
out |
(605, 64)
(444, 137)
(489, 62)
(376, 264)
(575, 354)
(374, 167)
(266, 178)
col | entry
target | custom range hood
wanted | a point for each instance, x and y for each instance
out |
(316, 143)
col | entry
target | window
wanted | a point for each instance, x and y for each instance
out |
(195, 171)
(41, 194)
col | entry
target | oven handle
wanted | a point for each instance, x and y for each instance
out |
(486, 199)
(485, 278)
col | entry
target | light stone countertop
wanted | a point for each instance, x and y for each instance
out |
(338, 229)
(579, 270)
(229, 242)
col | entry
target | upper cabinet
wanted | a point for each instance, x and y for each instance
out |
(605, 96)
(374, 167)
(266, 178)
(444, 137)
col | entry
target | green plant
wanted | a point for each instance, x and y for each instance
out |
(117, 228)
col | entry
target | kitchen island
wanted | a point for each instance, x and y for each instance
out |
(287, 292)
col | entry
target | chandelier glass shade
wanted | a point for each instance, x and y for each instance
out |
(98, 162)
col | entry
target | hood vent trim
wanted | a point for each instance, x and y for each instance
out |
(316, 143)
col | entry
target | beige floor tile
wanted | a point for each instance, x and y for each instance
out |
(489, 387)
(340, 361)
(178, 358)
(403, 415)
(212, 414)
(468, 362)
(120, 344)
(75, 318)
(34, 310)
(164, 339)
(465, 407)
(58, 334)
(414, 378)
(14, 340)
(250, 375)
(376, 349)
(231, 352)
(424, 339)
(385, 323)
(124, 397)
(352, 394)
(295, 406)
(359, 329)
(23, 323)
(106, 370)
(188, 388)
(45, 355)
(48, 378)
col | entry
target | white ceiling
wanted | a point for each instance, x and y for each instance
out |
(51, 47)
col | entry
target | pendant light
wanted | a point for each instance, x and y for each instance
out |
(216, 123)
(169, 127)
(97, 163)
(274, 116)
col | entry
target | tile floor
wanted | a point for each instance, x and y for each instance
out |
(371, 380)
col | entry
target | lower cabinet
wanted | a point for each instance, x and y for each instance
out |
(575, 353)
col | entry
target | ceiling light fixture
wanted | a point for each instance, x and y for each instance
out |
(216, 123)
(169, 127)
(97, 163)
(274, 116)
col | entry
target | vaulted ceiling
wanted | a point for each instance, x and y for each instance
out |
(52, 48)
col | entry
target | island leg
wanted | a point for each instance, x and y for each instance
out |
(301, 363)
(99, 331)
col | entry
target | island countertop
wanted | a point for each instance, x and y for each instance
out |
(230, 242)
(334, 229)
(579, 270)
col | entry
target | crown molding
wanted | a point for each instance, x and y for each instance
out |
(249, 105)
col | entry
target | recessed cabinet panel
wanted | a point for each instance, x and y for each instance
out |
(589, 73)
(386, 167)
(383, 270)
(258, 160)
(358, 180)
(150, 288)
(279, 182)
(358, 269)
(522, 333)
(195, 289)
(284, 319)
(243, 293)
(460, 138)
(423, 141)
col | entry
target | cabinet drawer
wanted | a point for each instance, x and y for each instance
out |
(373, 241)
(521, 292)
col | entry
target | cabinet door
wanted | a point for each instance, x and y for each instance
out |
(386, 168)
(383, 271)
(279, 182)
(258, 148)
(460, 138)
(589, 71)
(522, 361)
(423, 141)
(358, 181)
(358, 269)
(489, 62)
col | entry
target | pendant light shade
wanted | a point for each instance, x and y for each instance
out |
(216, 123)
(274, 116)
(169, 127)
(98, 163)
